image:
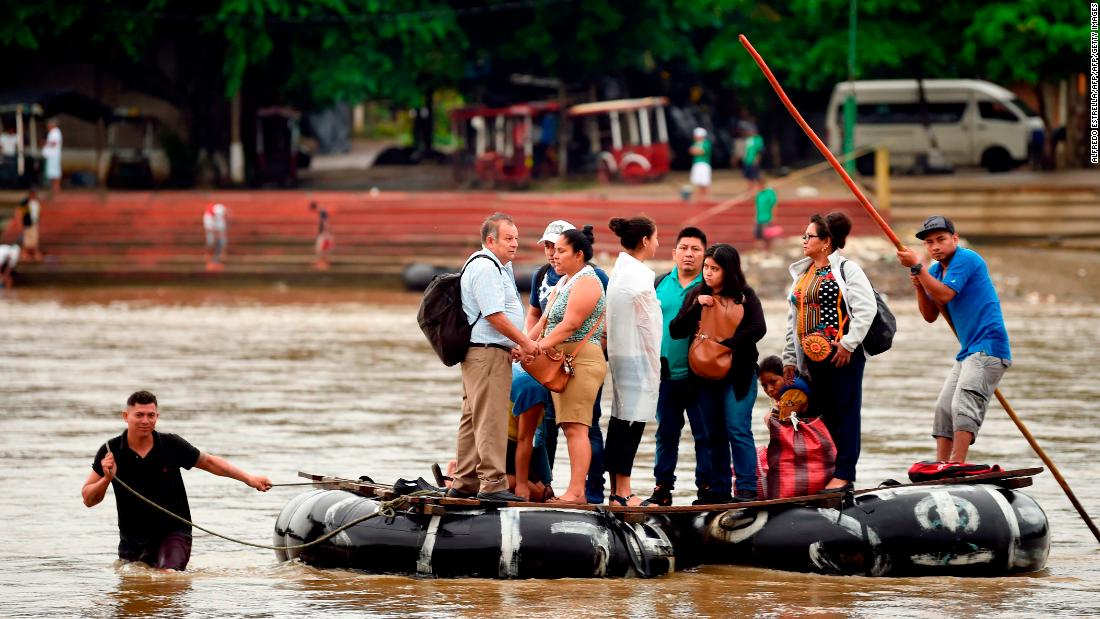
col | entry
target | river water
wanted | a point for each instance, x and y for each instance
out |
(281, 380)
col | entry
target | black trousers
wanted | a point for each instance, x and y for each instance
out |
(622, 445)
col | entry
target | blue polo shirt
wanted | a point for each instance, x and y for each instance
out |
(671, 297)
(975, 310)
(489, 287)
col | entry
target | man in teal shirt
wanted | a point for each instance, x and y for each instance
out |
(675, 397)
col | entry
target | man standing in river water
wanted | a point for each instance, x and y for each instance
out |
(150, 463)
(959, 280)
(491, 302)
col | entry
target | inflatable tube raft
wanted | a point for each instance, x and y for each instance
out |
(418, 275)
(959, 530)
(511, 542)
(963, 530)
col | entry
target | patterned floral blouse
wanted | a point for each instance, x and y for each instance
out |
(557, 312)
(820, 308)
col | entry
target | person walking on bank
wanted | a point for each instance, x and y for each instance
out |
(831, 307)
(51, 153)
(543, 282)
(491, 302)
(634, 351)
(726, 399)
(700, 163)
(574, 324)
(677, 397)
(149, 462)
(959, 281)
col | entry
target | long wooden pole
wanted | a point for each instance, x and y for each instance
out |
(867, 206)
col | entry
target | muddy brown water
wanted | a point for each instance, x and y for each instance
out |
(280, 380)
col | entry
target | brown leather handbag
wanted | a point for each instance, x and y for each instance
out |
(706, 356)
(553, 368)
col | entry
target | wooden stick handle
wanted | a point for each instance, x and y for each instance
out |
(867, 206)
(864, 202)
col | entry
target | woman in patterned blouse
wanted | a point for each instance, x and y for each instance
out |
(831, 306)
(574, 324)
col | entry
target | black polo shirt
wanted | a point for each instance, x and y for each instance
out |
(157, 477)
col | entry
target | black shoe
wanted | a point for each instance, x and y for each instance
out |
(848, 487)
(744, 496)
(504, 496)
(889, 483)
(458, 494)
(708, 497)
(662, 495)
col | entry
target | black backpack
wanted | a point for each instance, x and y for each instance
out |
(442, 318)
(880, 337)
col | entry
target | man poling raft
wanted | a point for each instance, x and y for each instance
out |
(971, 527)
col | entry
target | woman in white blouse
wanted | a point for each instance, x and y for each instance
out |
(634, 351)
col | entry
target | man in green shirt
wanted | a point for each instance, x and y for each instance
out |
(765, 213)
(676, 395)
(754, 154)
(700, 163)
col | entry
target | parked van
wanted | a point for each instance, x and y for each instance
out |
(974, 122)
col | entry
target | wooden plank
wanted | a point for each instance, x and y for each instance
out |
(1016, 478)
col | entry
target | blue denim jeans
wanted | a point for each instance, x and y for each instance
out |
(675, 398)
(547, 434)
(729, 426)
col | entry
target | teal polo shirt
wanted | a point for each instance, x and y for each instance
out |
(671, 297)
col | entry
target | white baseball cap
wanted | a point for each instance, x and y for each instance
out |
(554, 230)
(700, 132)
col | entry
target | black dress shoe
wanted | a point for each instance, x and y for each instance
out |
(848, 487)
(458, 494)
(504, 496)
(744, 496)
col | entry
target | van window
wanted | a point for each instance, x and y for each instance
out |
(1025, 108)
(905, 113)
(995, 110)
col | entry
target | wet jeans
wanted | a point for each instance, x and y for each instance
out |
(677, 397)
(729, 427)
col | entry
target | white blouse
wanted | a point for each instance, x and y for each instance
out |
(633, 340)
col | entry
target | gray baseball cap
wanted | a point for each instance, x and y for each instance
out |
(935, 223)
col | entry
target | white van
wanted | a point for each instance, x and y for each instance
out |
(974, 122)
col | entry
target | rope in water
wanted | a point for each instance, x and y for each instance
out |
(385, 508)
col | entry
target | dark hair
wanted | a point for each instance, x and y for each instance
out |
(491, 225)
(693, 233)
(580, 240)
(733, 279)
(835, 226)
(772, 365)
(141, 397)
(632, 231)
(313, 206)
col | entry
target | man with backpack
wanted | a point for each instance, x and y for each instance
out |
(958, 282)
(491, 303)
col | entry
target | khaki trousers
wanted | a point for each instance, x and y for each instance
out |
(483, 428)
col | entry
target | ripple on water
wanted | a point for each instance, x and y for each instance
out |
(351, 389)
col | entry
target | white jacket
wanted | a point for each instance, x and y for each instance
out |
(859, 302)
(633, 340)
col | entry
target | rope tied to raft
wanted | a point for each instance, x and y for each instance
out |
(386, 509)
